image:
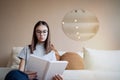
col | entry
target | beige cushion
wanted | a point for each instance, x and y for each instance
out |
(75, 62)
(103, 60)
(14, 60)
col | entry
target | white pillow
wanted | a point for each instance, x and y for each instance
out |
(14, 60)
(106, 60)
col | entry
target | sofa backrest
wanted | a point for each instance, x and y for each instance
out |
(14, 60)
(105, 60)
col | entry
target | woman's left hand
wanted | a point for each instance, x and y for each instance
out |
(57, 77)
(32, 75)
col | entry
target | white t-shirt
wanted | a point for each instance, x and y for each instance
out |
(39, 51)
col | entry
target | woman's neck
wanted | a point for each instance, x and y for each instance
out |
(40, 43)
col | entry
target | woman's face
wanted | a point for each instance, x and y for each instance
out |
(41, 33)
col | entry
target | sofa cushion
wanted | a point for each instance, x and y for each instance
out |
(106, 60)
(14, 60)
(75, 62)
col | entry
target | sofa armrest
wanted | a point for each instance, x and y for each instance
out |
(3, 72)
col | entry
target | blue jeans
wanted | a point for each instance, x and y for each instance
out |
(16, 75)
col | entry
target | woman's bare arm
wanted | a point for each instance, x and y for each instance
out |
(22, 65)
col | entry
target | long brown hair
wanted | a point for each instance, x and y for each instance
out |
(47, 44)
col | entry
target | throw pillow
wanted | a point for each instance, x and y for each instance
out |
(14, 60)
(105, 60)
(75, 62)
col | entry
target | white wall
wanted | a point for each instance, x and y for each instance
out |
(17, 18)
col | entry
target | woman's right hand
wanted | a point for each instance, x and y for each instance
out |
(32, 75)
(57, 77)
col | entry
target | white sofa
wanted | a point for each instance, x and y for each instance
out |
(99, 65)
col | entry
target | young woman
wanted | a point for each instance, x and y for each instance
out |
(40, 46)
